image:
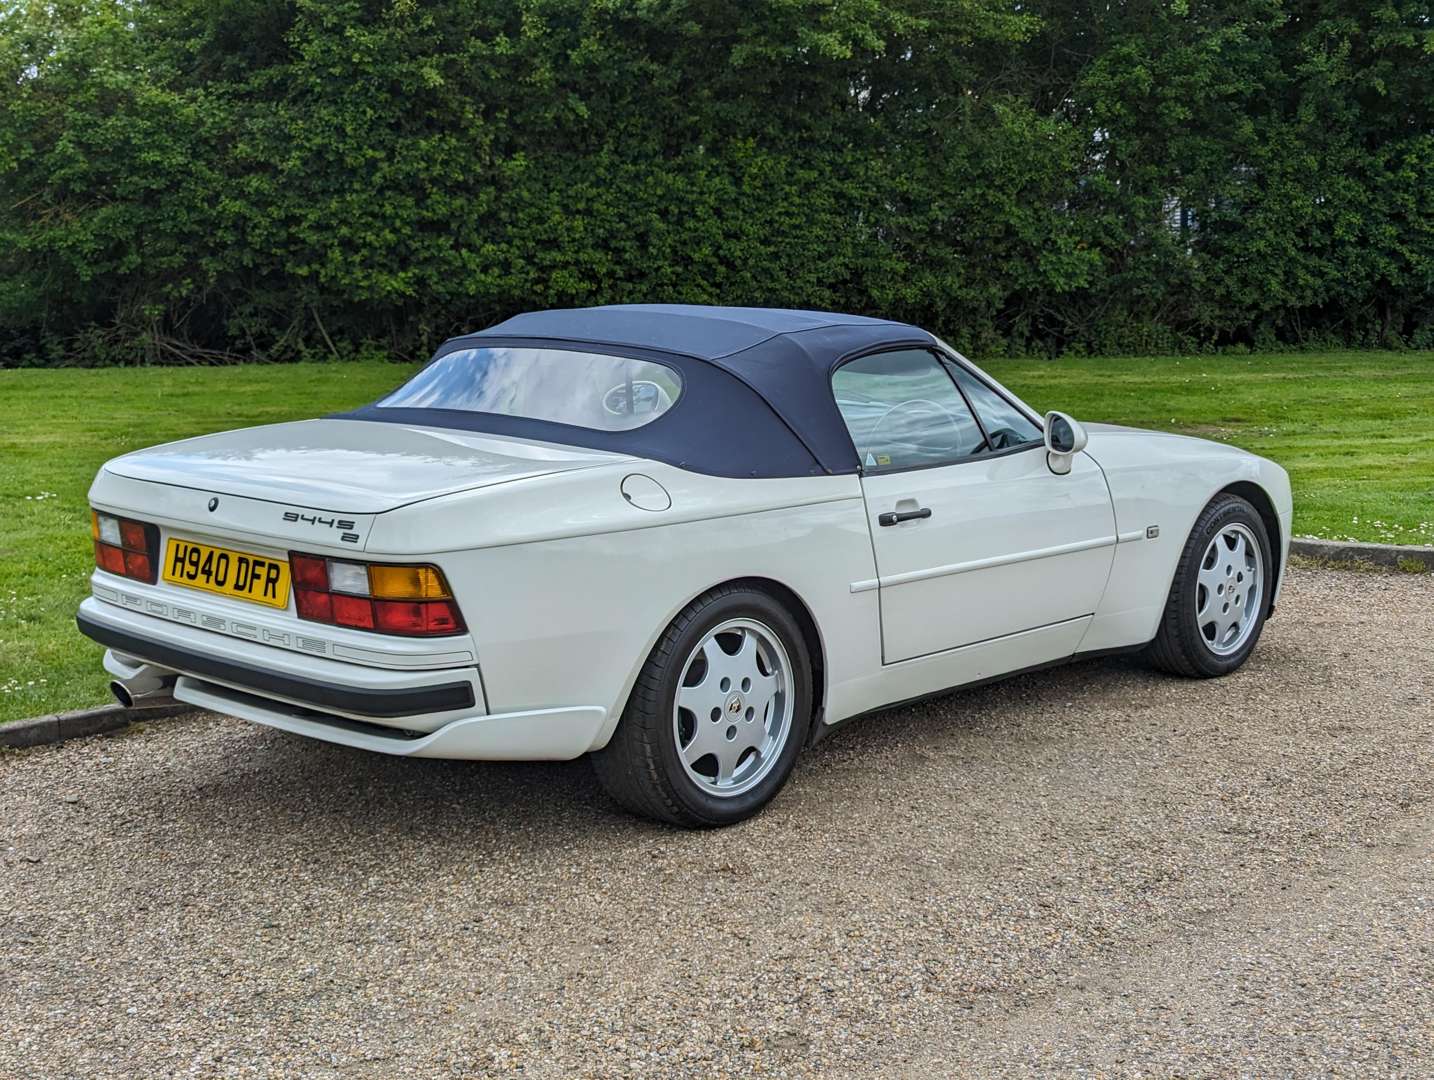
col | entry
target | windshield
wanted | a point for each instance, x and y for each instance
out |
(590, 390)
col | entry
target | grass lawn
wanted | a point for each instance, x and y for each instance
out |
(56, 429)
(1354, 430)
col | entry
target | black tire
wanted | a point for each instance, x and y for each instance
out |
(640, 767)
(1179, 646)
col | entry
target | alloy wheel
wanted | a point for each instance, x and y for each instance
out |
(733, 710)
(1229, 589)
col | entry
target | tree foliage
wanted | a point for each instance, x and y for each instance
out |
(235, 179)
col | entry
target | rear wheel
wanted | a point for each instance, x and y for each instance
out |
(718, 714)
(1219, 598)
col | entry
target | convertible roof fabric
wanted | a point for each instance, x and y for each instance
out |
(711, 333)
(757, 398)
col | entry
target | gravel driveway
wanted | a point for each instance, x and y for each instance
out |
(1095, 870)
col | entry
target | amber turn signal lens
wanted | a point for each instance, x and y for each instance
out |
(407, 583)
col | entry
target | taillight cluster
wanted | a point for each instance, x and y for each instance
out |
(382, 597)
(124, 547)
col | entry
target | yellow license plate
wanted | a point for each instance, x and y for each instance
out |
(230, 573)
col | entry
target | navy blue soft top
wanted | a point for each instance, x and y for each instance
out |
(757, 398)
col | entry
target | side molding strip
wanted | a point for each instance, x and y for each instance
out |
(983, 564)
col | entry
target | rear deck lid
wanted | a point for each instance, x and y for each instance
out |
(349, 466)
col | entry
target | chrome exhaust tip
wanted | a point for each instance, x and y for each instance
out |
(143, 693)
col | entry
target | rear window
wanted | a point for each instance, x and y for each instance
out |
(588, 390)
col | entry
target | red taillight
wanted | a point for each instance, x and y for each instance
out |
(355, 611)
(124, 547)
(132, 534)
(417, 617)
(383, 597)
(399, 616)
(313, 605)
(310, 572)
(442, 617)
(109, 559)
(136, 565)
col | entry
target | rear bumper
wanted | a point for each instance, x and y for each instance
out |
(435, 714)
(536, 735)
(158, 646)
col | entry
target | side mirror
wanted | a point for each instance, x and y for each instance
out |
(1065, 438)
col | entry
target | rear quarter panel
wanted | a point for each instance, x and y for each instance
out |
(566, 586)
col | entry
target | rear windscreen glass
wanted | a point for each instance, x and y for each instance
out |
(589, 390)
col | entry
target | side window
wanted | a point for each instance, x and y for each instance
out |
(1005, 425)
(903, 411)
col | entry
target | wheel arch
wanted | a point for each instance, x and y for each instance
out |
(788, 598)
(1260, 499)
(811, 633)
(806, 622)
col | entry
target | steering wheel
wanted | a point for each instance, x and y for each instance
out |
(929, 406)
(636, 397)
(1003, 437)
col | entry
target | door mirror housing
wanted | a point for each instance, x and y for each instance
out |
(1065, 438)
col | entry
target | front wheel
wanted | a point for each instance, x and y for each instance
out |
(719, 712)
(1220, 595)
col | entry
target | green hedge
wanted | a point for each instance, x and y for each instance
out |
(216, 180)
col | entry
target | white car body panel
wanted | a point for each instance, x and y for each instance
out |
(1163, 480)
(333, 464)
(1009, 544)
(633, 583)
(565, 583)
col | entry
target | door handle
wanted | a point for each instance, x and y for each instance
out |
(896, 517)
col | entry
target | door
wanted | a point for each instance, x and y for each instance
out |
(975, 537)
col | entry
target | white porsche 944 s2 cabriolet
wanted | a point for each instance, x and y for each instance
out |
(684, 540)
